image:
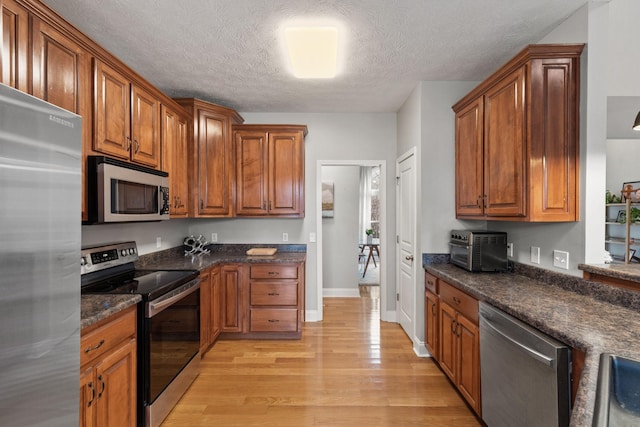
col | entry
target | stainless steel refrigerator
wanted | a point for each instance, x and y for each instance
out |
(40, 226)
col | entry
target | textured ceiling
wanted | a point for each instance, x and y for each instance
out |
(228, 51)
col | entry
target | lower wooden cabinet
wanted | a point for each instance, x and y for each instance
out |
(452, 336)
(210, 308)
(108, 372)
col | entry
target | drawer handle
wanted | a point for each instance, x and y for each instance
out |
(273, 294)
(457, 300)
(95, 347)
(273, 321)
(93, 393)
(272, 273)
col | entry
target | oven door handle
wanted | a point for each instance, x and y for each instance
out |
(155, 307)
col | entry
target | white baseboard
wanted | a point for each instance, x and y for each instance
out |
(420, 349)
(341, 292)
(388, 316)
(312, 316)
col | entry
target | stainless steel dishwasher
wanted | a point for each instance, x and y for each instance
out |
(525, 374)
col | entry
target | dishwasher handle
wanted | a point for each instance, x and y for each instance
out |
(531, 352)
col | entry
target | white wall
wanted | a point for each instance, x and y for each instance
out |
(624, 34)
(340, 233)
(622, 163)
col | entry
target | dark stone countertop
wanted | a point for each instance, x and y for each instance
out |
(94, 308)
(629, 272)
(97, 307)
(577, 312)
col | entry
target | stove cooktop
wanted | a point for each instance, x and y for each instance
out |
(150, 284)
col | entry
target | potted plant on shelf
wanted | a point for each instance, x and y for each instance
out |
(369, 232)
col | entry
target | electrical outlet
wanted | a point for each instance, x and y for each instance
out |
(285, 237)
(561, 259)
(510, 249)
(312, 237)
(535, 254)
(158, 242)
(214, 237)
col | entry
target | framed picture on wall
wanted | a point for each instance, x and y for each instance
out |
(327, 200)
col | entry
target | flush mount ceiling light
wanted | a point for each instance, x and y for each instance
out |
(636, 124)
(312, 51)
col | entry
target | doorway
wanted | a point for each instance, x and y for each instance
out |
(350, 242)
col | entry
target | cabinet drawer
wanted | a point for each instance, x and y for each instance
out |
(107, 336)
(462, 302)
(274, 271)
(274, 293)
(431, 283)
(274, 320)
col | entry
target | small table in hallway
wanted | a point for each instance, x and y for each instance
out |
(373, 247)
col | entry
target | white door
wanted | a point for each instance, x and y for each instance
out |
(406, 214)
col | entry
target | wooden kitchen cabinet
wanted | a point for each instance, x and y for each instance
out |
(431, 314)
(210, 308)
(127, 118)
(174, 137)
(14, 70)
(276, 295)
(459, 338)
(231, 294)
(108, 372)
(212, 175)
(269, 170)
(517, 140)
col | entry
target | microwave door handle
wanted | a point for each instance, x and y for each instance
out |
(458, 245)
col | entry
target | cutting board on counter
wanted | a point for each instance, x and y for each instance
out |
(262, 251)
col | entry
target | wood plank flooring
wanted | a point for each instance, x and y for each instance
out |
(348, 370)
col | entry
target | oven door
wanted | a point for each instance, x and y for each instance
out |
(171, 338)
(460, 255)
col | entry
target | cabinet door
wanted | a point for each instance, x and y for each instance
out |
(431, 308)
(553, 140)
(15, 45)
(469, 361)
(232, 307)
(88, 395)
(174, 140)
(448, 341)
(61, 75)
(205, 311)
(469, 160)
(216, 304)
(112, 112)
(504, 147)
(286, 174)
(116, 382)
(213, 186)
(145, 133)
(251, 173)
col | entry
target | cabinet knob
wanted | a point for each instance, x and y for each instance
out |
(457, 300)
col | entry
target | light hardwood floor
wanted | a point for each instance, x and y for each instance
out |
(348, 370)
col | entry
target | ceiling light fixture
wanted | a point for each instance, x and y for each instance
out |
(312, 51)
(636, 124)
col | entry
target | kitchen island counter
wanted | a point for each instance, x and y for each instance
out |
(592, 317)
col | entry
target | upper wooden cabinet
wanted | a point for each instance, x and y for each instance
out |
(517, 144)
(127, 118)
(15, 45)
(212, 179)
(174, 136)
(270, 170)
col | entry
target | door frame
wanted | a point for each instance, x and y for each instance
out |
(418, 345)
(384, 244)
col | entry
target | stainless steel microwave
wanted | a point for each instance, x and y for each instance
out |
(124, 192)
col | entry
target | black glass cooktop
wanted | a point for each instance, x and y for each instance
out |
(150, 284)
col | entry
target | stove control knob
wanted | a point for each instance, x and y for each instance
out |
(83, 261)
(132, 251)
(123, 252)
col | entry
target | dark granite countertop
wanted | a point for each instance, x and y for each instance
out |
(97, 307)
(94, 308)
(577, 312)
(629, 272)
(175, 259)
